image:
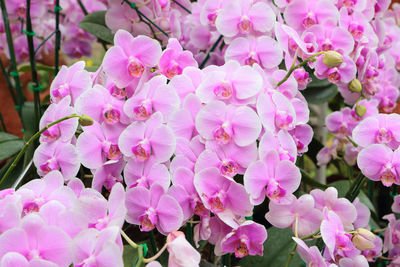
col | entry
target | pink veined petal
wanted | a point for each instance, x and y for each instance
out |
(238, 50)
(13, 259)
(137, 202)
(255, 181)
(123, 39)
(169, 213)
(239, 200)
(68, 161)
(41, 263)
(246, 126)
(147, 50)
(163, 143)
(262, 17)
(228, 19)
(280, 215)
(166, 100)
(247, 82)
(115, 64)
(372, 159)
(269, 51)
(182, 123)
(303, 250)
(13, 240)
(184, 177)
(364, 133)
(207, 159)
(116, 200)
(55, 245)
(110, 255)
(294, 14)
(288, 176)
(183, 198)
(205, 91)
(209, 118)
(266, 110)
(133, 134)
(89, 149)
(342, 39)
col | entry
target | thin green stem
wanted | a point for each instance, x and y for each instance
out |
(130, 242)
(203, 63)
(58, 38)
(311, 181)
(8, 81)
(182, 6)
(30, 141)
(351, 141)
(14, 71)
(291, 255)
(355, 188)
(31, 47)
(3, 125)
(298, 66)
(155, 256)
(44, 41)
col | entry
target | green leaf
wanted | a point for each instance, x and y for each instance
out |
(95, 23)
(39, 67)
(30, 128)
(319, 91)
(129, 256)
(5, 137)
(276, 250)
(9, 148)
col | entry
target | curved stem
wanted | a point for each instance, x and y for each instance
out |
(291, 255)
(130, 242)
(30, 141)
(203, 63)
(298, 66)
(58, 38)
(157, 255)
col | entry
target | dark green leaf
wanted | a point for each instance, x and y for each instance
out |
(5, 137)
(95, 23)
(30, 128)
(39, 67)
(276, 250)
(130, 256)
(319, 91)
(9, 148)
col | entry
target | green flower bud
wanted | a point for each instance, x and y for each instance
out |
(363, 239)
(85, 120)
(332, 59)
(355, 86)
(361, 110)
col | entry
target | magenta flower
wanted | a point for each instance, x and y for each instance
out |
(141, 140)
(230, 159)
(98, 144)
(128, 59)
(341, 123)
(244, 17)
(282, 142)
(273, 178)
(174, 60)
(302, 135)
(222, 196)
(276, 112)
(298, 211)
(311, 256)
(182, 121)
(247, 239)
(363, 215)
(334, 235)
(218, 232)
(185, 193)
(146, 173)
(379, 162)
(36, 241)
(230, 83)
(101, 106)
(63, 131)
(107, 175)
(186, 153)
(226, 123)
(378, 129)
(72, 81)
(94, 248)
(302, 14)
(344, 73)
(187, 82)
(153, 208)
(341, 206)
(262, 50)
(56, 156)
(155, 95)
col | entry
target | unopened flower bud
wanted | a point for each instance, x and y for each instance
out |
(361, 110)
(355, 86)
(363, 239)
(85, 120)
(332, 59)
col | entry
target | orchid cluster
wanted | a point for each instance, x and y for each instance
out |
(203, 124)
(75, 41)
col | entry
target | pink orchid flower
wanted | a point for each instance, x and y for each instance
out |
(186, 153)
(128, 59)
(282, 142)
(226, 123)
(153, 208)
(108, 175)
(378, 129)
(224, 197)
(181, 253)
(379, 162)
(155, 95)
(140, 140)
(245, 17)
(298, 214)
(311, 256)
(72, 81)
(272, 178)
(247, 239)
